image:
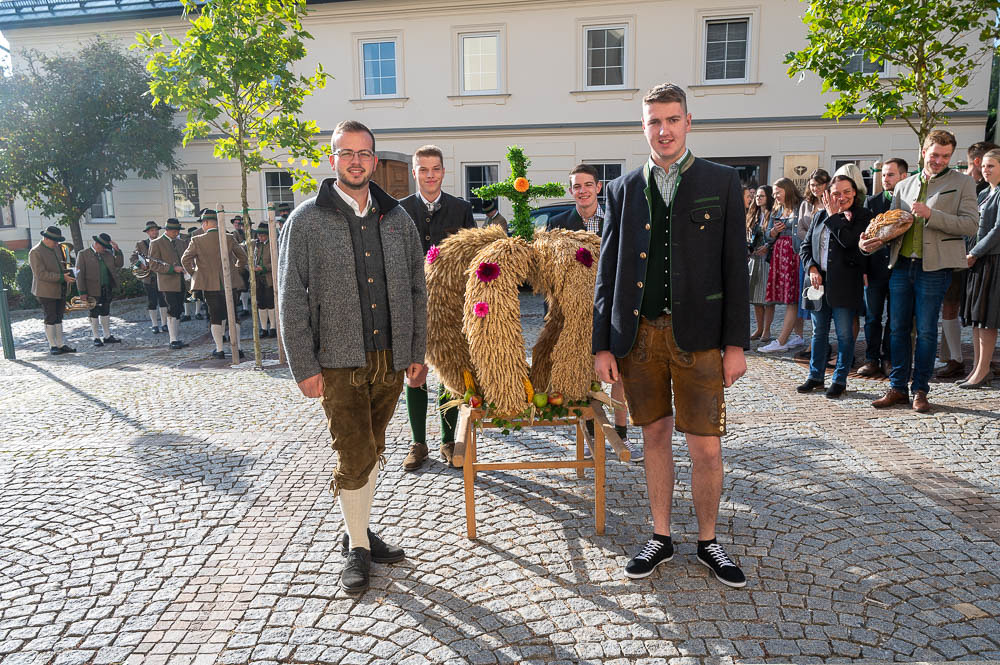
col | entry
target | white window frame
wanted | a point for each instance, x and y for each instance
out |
(628, 56)
(263, 189)
(459, 33)
(361, 66)
(170, 195)
(465, 178)
(108, 197)
(586, 53)
(751, 14)
(360, 38)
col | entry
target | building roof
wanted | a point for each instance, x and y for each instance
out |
(38, 13)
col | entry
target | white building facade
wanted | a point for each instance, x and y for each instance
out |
(563, 79)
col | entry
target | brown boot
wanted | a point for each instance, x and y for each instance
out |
(920, 403)
(416, 458)
(870, 369)
(448, 452)
(891, 397)
(952, 370)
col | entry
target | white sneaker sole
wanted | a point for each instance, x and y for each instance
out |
(639, 576)
(735, 585)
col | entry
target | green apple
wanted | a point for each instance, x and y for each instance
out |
(468, 395)
(540, 400)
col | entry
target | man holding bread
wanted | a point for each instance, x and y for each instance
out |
(943, 203)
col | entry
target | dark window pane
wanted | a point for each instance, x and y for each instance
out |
(736, 50)
(596, 77)
(613, 76)
(715, 70)
(597, 58)
(595, 39)
(716, 51)
(615, 38)
(738, 30)
(736, 69)
(615, 57)
(716, 32)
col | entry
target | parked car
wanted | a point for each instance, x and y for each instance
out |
(541, 215)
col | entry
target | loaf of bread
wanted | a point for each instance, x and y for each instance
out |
(888, 225)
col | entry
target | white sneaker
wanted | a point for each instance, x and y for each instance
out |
(635, 449)
(773, 347)
(795, 341)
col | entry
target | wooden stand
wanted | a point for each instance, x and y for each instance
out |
(465, 453)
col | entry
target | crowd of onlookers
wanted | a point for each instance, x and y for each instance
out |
(807, 252)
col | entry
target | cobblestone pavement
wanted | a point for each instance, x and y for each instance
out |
(154, 513)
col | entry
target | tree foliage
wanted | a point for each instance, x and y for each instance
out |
(932, 49)
(72, 125)
(234, 76)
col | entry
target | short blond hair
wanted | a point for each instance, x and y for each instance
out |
(427, 151)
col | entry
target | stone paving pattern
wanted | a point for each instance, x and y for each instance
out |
(157, 514)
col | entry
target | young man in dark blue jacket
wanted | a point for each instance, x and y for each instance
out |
(672, 317)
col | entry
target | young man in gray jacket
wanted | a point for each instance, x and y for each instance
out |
(921, 262)
(353, 308)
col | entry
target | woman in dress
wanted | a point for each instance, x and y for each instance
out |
(783, 272)
(981, 304)
(833, 261)
(757, 219)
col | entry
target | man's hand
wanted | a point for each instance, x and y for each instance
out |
(313, 386)
(114, 245)
(69, 278)
(606, 367)
(921, 210)
(970, 259)
(870, 245)
(815, 279)
(734, 365)
(416, 375)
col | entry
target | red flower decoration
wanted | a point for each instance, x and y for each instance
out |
(481, 309)
(584, 256)
(487, 272)
(433, 253)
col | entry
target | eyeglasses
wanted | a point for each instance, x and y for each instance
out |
(346, 154)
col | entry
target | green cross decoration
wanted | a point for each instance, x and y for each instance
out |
(521, 224)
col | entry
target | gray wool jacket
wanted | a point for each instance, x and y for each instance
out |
(318, 291)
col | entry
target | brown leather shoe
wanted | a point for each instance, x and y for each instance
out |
(892, 397)
(448, 452)
(952, 370)
(416, 458)
(870, 369)
(920, 403)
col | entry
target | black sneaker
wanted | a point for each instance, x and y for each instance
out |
(380, 551)
(177, 345)
(184, 318)
(262, 333)
(727, 572)
(273, 333)
(652, 554)
(111, 339)
(199, 316)
(55, 351)
(219, 355)
(354, 578)
(156, 329)
(67, 349)
(835, 390)
(809, 386)
(98, 342)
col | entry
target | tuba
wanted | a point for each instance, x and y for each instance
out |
(140, 269)
(81, 304)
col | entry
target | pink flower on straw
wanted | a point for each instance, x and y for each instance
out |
(584, 256)
(433, 253)
(481, 309)
(487, 272)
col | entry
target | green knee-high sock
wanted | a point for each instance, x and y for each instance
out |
(416, 411)
(449, 419)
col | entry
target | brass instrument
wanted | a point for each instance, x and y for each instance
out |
(81, 304)
(141, 269)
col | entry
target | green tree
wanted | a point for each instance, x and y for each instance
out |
(932, 48)
(234, 76)
(72, 125)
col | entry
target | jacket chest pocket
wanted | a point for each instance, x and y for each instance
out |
(706, 216)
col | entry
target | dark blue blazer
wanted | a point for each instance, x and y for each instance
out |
(571, 221)
(843, 280)
(709, 283)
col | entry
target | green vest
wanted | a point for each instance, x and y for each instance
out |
(913, 239)
(656, 290)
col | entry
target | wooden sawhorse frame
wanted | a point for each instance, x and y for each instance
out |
(465, 453)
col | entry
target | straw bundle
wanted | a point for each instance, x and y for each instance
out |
(496, 344)
(561, 360)
(447, 347)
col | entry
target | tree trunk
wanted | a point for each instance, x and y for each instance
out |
(75, 232)
(255, 313)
